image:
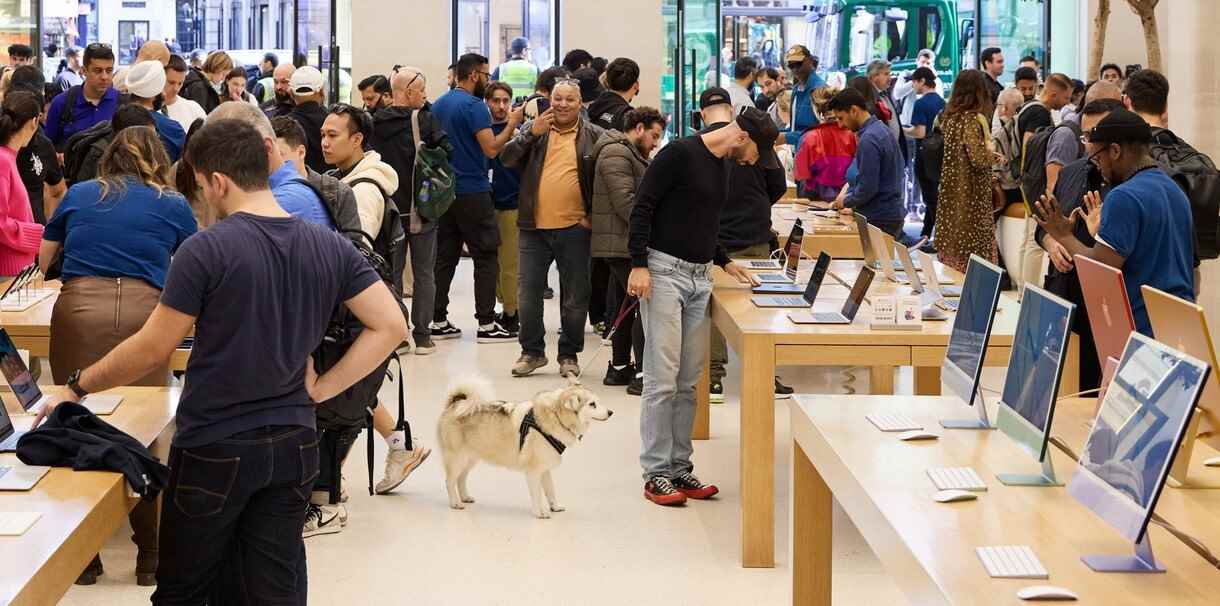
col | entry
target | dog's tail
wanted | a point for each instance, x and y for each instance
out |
(468, 397)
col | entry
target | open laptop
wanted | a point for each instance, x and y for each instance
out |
(26, 389)
(811, 289)
(850, 307)
(866, 240)
(939, 296)
(928, 308)
(792, 258)
(774, 264)
(17, 476)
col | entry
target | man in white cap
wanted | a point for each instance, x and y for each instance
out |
(146, 86)
(306, 87)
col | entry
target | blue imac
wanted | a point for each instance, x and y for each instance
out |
(968, 342)
(1134, 439)
(1027, 404)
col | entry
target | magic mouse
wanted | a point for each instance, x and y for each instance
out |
(917, 434)
(1046, 592)
(953, 496)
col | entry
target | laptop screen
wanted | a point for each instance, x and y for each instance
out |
(815, 279)
(972, 326)
(792, 251)
(17, 373)
(858, 290)
(866, 241)
(1038, 347)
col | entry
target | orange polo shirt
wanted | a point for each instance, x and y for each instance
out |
(559, 204)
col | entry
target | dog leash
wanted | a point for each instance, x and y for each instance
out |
(625, 308)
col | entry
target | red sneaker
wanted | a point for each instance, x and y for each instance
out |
(690, 486)
(661, 491)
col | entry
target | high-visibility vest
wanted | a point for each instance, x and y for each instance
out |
(519, 74)
(268, 89)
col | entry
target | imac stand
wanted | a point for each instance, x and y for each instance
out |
(1046, 478)
(983, 421)
(1141, 562)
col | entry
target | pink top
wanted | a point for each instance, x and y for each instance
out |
(20, 236)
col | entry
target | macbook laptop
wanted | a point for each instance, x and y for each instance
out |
(850, 307)
(792, 258)
(938, 295)
(26, 389)
(811, 290)
(17, 476)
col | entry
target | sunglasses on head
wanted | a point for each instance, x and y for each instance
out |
(795, 65)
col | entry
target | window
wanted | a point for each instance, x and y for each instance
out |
(879, 33)
(488, 27)
(132, 34)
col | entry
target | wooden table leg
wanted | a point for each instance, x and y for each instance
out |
(881, 380)
(703, 421)
(812, 533)
(927, 380)
(758, 455)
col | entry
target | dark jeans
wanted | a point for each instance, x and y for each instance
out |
(471, 220)
(599, 282)
(569, 249)
(232, 518)
(928, 190)
(630, 334)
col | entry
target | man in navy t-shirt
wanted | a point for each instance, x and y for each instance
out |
(259, 288)
(928, 106)
(1145, 227)
(471, 220)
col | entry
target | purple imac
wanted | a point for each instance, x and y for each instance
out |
(1131, 447)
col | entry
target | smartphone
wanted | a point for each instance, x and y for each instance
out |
(543, 105)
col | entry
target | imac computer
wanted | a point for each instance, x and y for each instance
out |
(968, 341)
(1027, 404)
(1183, 326)
(1133, 442)
(1109, 310)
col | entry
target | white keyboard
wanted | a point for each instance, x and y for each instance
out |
(893, 422)
(756, 264)
(15, 523)
(1011, 562)
(956, 478)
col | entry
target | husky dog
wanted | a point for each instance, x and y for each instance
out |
(527, 436)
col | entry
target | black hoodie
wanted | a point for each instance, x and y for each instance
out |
(608, 110)
(310, 116)
(198, 88)
(393, 139)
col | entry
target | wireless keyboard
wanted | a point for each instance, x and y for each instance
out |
(956, 478)
(1011, 562)
(893, 422)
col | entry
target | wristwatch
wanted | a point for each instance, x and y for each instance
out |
(74, 384)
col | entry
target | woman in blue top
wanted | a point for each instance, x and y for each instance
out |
(117, 233)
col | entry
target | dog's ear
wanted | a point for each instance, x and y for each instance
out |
(573, 398)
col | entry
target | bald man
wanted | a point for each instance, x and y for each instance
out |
(154, 50)
(281, 78)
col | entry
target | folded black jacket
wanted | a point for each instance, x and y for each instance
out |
(72, 436)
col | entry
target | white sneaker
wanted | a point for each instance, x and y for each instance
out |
(323, 519)
(425, 349)
(399, 464)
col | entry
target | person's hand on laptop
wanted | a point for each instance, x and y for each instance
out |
(61, 394)
(741, 274)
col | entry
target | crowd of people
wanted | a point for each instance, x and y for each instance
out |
(201, 200)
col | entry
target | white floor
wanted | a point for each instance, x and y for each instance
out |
(609, 547)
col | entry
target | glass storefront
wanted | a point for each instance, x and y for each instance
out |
(692, 62)
(488, 27)
(16, 24)
(1018, 27)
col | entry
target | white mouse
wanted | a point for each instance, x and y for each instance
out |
(1046, 592)
(917, 434)
(953, 496)
(1212, 462)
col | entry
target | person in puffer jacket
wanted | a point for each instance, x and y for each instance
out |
(825, 152)
(620, 159)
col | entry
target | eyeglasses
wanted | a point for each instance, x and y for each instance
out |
(795, 65)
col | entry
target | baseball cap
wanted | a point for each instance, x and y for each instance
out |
(763, 132)
(798, 52)
(307, 80)
(146, 79)
(519, 44)
(714, 96)
(1121, 126)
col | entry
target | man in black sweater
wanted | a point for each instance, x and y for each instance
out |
(745, 225)
(673, 241)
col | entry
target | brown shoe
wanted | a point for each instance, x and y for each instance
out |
(569, 368)
(527, 364)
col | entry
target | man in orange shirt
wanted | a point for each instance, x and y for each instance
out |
(554, 153)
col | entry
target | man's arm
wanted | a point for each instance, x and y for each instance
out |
(869, 164)
(52, 195)
(1052, 175)
(917, 131)
(1049, 216)
(54, 132)
(657, 182)
(492, 143)
(777, 183)
(384, 329)
(518, 147)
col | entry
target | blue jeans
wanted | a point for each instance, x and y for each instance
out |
(569, 249)
(232, 516)
(676, 331)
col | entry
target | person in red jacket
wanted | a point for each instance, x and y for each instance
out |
(20, 235)
(825, 152)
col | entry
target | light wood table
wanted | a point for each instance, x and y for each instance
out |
(765, 339)
(836, 237)
(80, 510)
(31, 329)
(928, 547)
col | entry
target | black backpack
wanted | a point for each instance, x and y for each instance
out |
(1033, 159)
(76, 150)
(1196, 174)
(65, 114)
(391, 242)
(932, 153)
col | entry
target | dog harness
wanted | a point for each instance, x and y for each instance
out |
(530, 423)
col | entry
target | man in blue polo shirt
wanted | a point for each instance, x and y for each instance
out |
(1145, 227)
(804, 69)
(81, 107)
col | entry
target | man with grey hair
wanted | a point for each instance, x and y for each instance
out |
(295, 195)
(879, 76)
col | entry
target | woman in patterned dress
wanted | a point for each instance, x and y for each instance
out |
(964, 221)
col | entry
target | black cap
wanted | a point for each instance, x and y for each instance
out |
(1121, 126)
(714, 96)
(763, 132)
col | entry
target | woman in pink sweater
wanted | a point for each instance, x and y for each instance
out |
(20, 236)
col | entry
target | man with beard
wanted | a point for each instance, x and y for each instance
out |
(1145, 227)
(375, 92)
(281, 80)
(471, 220)
(554, 153)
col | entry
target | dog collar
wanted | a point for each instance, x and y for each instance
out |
(530, 423)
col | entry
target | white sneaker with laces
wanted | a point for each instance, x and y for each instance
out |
(399, 464)
(323, 519)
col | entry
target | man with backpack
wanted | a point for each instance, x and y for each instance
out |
(395, 131)
(1047, 146)
(83, 152)
(1147, 94)
(927, 107)
(81, 107)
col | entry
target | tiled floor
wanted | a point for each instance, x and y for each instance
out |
(609, 547)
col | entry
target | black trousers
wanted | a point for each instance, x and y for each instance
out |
(232, 518)
(928, 190)
(599, 281)
(629, 337)
(471, 220)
